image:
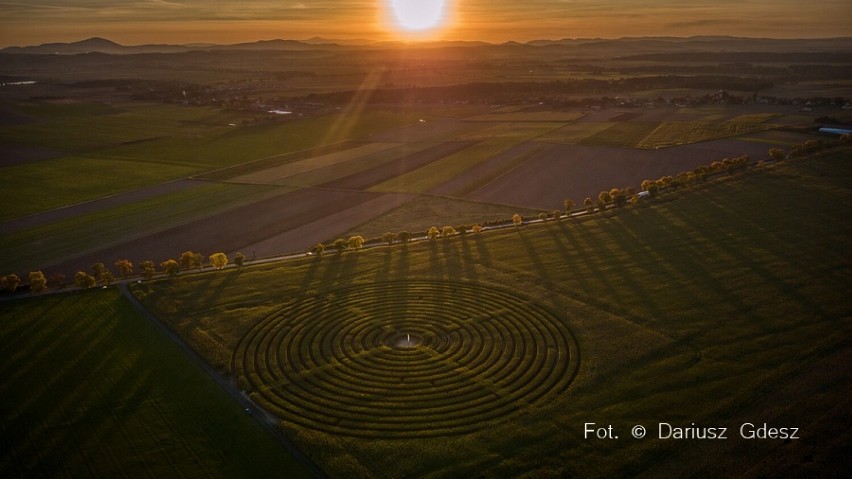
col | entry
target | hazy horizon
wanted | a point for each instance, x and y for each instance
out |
(139, 22)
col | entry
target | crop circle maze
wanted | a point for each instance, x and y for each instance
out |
(406, 359)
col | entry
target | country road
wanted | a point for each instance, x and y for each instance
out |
(264, 418)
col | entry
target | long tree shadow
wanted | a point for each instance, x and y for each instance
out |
(741, 256)
(539, 267)
(212, 292)
(482, 249)
(310, 274)
(452, 260)
(581, 241)
(436, 267)
(383, 272)
(468, 261)
(635, 253)
(338, 271)
(401, 268)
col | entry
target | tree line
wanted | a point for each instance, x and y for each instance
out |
(100, 274)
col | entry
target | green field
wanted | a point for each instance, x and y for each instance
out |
(620, 134)
(92, 389)
(437, 173)
(61, 240)
(104, 150)
(713, 306)
(670, 133)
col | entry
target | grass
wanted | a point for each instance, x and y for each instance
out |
(118, 149)
(50, 184)
(710, 306)
(91, 388)
(62, 240)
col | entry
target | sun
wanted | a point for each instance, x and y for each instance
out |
(418, 18)
(418, 15)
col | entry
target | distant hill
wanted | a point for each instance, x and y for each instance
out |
(101, 45)
(612, 47)
(630, 45)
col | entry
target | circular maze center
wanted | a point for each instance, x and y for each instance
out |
(404, 341)
(406, 359)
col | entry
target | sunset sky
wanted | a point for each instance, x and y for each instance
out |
(130, 22)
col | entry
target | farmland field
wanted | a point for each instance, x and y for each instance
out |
(719, 303)
(330, 173)
(91, 388)
(711, 306)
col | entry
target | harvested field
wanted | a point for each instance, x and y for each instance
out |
(574, 133)
(513, 131)
(620, 134)
(535, 116)
(753, 118)
(329, 174)
(384, 172)
(577, 172)
(479, 175)
(280, 174)
(438, 172)
(271, 162)
(112, 223)
(671, 133)
(626, 116)
(234, 230)
(331, 226)
(428, 130)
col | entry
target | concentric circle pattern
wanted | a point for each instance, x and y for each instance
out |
(406, 359)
